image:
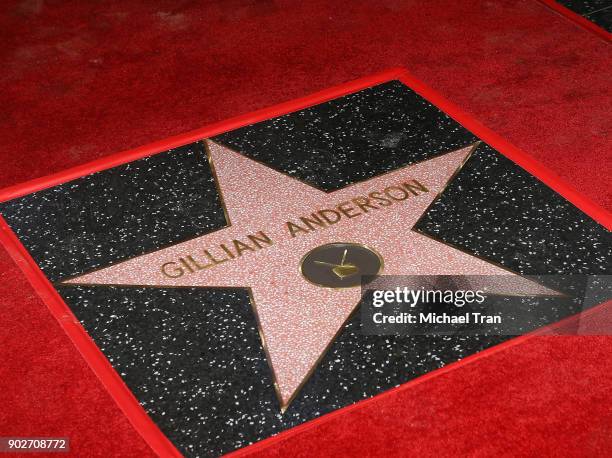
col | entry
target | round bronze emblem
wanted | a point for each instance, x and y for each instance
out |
(340, 265)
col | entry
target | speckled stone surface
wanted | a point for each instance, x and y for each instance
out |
(498, 211)
(597, 11)
(586, 6)
(603, 18)
(193, 356)
(351, 138)
(130, 209)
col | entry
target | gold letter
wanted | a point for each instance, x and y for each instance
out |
(294, 228)
(262, 238)
(387, 192)
(346, 210)
(412, 187)
(177, 270)
(363, 203)
(240, 247)
(186, 264)
(196, 263)
(316, 219)
(333, 212)
(227, 251)
(381, 200)
(213, 259)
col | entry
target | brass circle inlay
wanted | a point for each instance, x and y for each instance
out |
(340, 265)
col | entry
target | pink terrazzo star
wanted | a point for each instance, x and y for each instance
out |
(299, 320)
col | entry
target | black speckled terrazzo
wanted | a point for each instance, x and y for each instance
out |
(351, 138)
(127, 210)
(498, 211)
(193, 356)
(208, 384)
(603, 18)
(596, 11)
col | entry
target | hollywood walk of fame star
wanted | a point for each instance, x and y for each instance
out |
(298, 318)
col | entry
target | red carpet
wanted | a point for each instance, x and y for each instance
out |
(480, 410)
(82, 81)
